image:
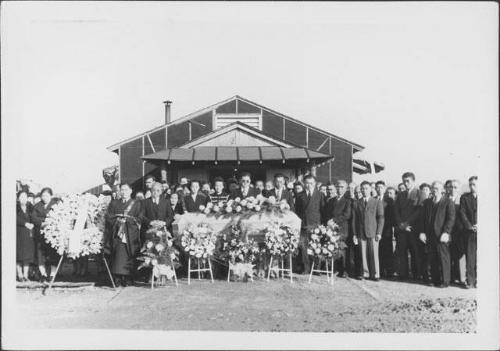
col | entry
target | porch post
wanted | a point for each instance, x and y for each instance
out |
(164, 175)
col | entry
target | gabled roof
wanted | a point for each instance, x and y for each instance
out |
(114, 147)
(240, 126)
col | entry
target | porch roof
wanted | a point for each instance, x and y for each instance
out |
(236, 154)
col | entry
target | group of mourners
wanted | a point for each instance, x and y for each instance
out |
(425, 233)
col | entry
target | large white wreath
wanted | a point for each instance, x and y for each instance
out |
(75, 225)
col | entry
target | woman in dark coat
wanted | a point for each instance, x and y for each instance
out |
(123, 242)
(25, 244)
(45, 254)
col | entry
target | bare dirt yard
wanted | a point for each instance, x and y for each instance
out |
(349, 306)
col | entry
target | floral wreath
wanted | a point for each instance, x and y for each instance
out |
(75, 225)
(325, 241)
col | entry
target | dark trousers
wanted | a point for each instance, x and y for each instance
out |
(439, 258)
(470, 258)
(340, 262)
(303, 243)
(354, 260)
(386, 256)
(458, 260)
(423, 253)
(407, 241)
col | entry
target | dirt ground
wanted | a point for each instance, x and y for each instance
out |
(349, 306)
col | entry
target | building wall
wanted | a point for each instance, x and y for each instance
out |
(132, 168)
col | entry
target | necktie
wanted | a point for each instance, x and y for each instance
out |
(278, 195)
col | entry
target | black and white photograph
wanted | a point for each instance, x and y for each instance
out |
(250, 175)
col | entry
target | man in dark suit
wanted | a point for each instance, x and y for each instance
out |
(157, 208)
(368, 218)
(331, 194)
(245, 190)
(468, 214)
(308, 206)
(386, 252)
(406, 212)
(195, 199)
(338, 209)
(457, 242)
(437, 220)
(280, 192)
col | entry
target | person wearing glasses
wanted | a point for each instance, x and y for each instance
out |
(245, 190)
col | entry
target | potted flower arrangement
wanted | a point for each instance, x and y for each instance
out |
(159, 253)
(240, 255)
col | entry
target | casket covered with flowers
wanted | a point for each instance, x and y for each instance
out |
(158, 251)
(75, 225)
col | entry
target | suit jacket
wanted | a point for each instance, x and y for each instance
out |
(406, 209)
(194, 206)
(468, 210)
(252, 192)
(163, 211)
(310, 210)
(438, 219)
(285, 195)
(339, 209)
(388, 204)
(368, 219)
(38, 216)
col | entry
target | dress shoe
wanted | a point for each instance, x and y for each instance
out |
(360, 278)
(443, 285)
(342, 275)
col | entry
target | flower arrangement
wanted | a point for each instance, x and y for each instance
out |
(234, 250)
(237, 205)
(75, 225)
(199, 241)
(325, 241)
(240, 255)
(281, 240)
(158, 251)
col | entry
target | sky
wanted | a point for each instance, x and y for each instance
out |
(415, 83)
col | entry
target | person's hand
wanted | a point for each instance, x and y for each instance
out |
(423, 238)
(445, 237)
(474, 228)
(29, 225)
(403, 226)
(378, 237)
(408, 228)
(355, 240)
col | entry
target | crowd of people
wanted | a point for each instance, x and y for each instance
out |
(424, 233)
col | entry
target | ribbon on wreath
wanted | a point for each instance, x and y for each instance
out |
(75, 237)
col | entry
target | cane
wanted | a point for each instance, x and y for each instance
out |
(109, 272)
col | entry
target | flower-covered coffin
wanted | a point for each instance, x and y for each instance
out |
(253, 224)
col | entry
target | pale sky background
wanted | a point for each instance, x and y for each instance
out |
(415, 83)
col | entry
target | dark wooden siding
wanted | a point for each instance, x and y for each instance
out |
(244, 107)
(272, 124)
(130, 161)
(323, 173)
(177, 134)
(318, 141)
(201, 125)
(229, 107)
(342, 164)
(158, 139)
(295, 133)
